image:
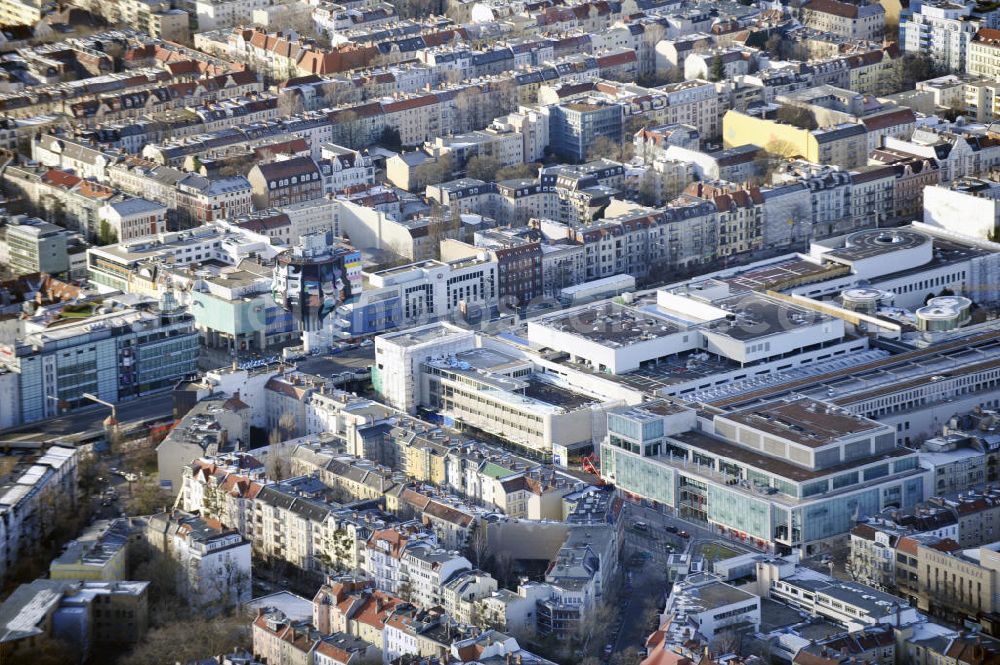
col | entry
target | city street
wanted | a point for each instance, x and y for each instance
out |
(645, 594)
(91, 418)
(700, 534)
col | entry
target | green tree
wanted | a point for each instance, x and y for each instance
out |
(775, 46)
(717, 70)
(106, 235)
(647, 188)
(390, 139)
(913, 68)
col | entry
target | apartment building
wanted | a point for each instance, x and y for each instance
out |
(345, 169)
(35, 246)
(875, 72)
(215, 425)
(294, 522)
(222, 487)
(357, 478)
(353, 607)
(983, 57)
(191, 199)
(201, 199)
(90, 616)
(505, 146)
(383, 555)
(23, 12)
(518, 261)
(958, 155)
(740, 213)
(734, 61)
(28, 498)
(913, 176)
(425, 571)
(862, 21)
(216, 14)
(285, 182)
(970, 521)
(100, 553)
(214, 560)
(574, 126)
(943, 580)
(280, 639)
(424, 633)
(463, 592)
(52, 192)
(941, 31)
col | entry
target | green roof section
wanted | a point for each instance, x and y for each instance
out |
(495, 471)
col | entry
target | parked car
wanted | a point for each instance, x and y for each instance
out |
(683, 534)
(640, 526)
(671, 528)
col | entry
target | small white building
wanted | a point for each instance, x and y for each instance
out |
(969, 206)
(132, 218)
(705, 601)
(214, 560)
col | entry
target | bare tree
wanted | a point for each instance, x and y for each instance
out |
(467, 109)
(277, 464)
(440, 171)
(781, 148)
(290, 102)
(477, 549)
(607, 148)
(190, 639)
(482, 167)
(653, 34)
(629, 656)
(503, 569)
(338, 93)
(726, 641)
(147, 497)
(518, 171)
(797, 117)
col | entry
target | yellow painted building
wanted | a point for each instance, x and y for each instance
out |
(90, 562)
(23, 12)
(844, 145)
